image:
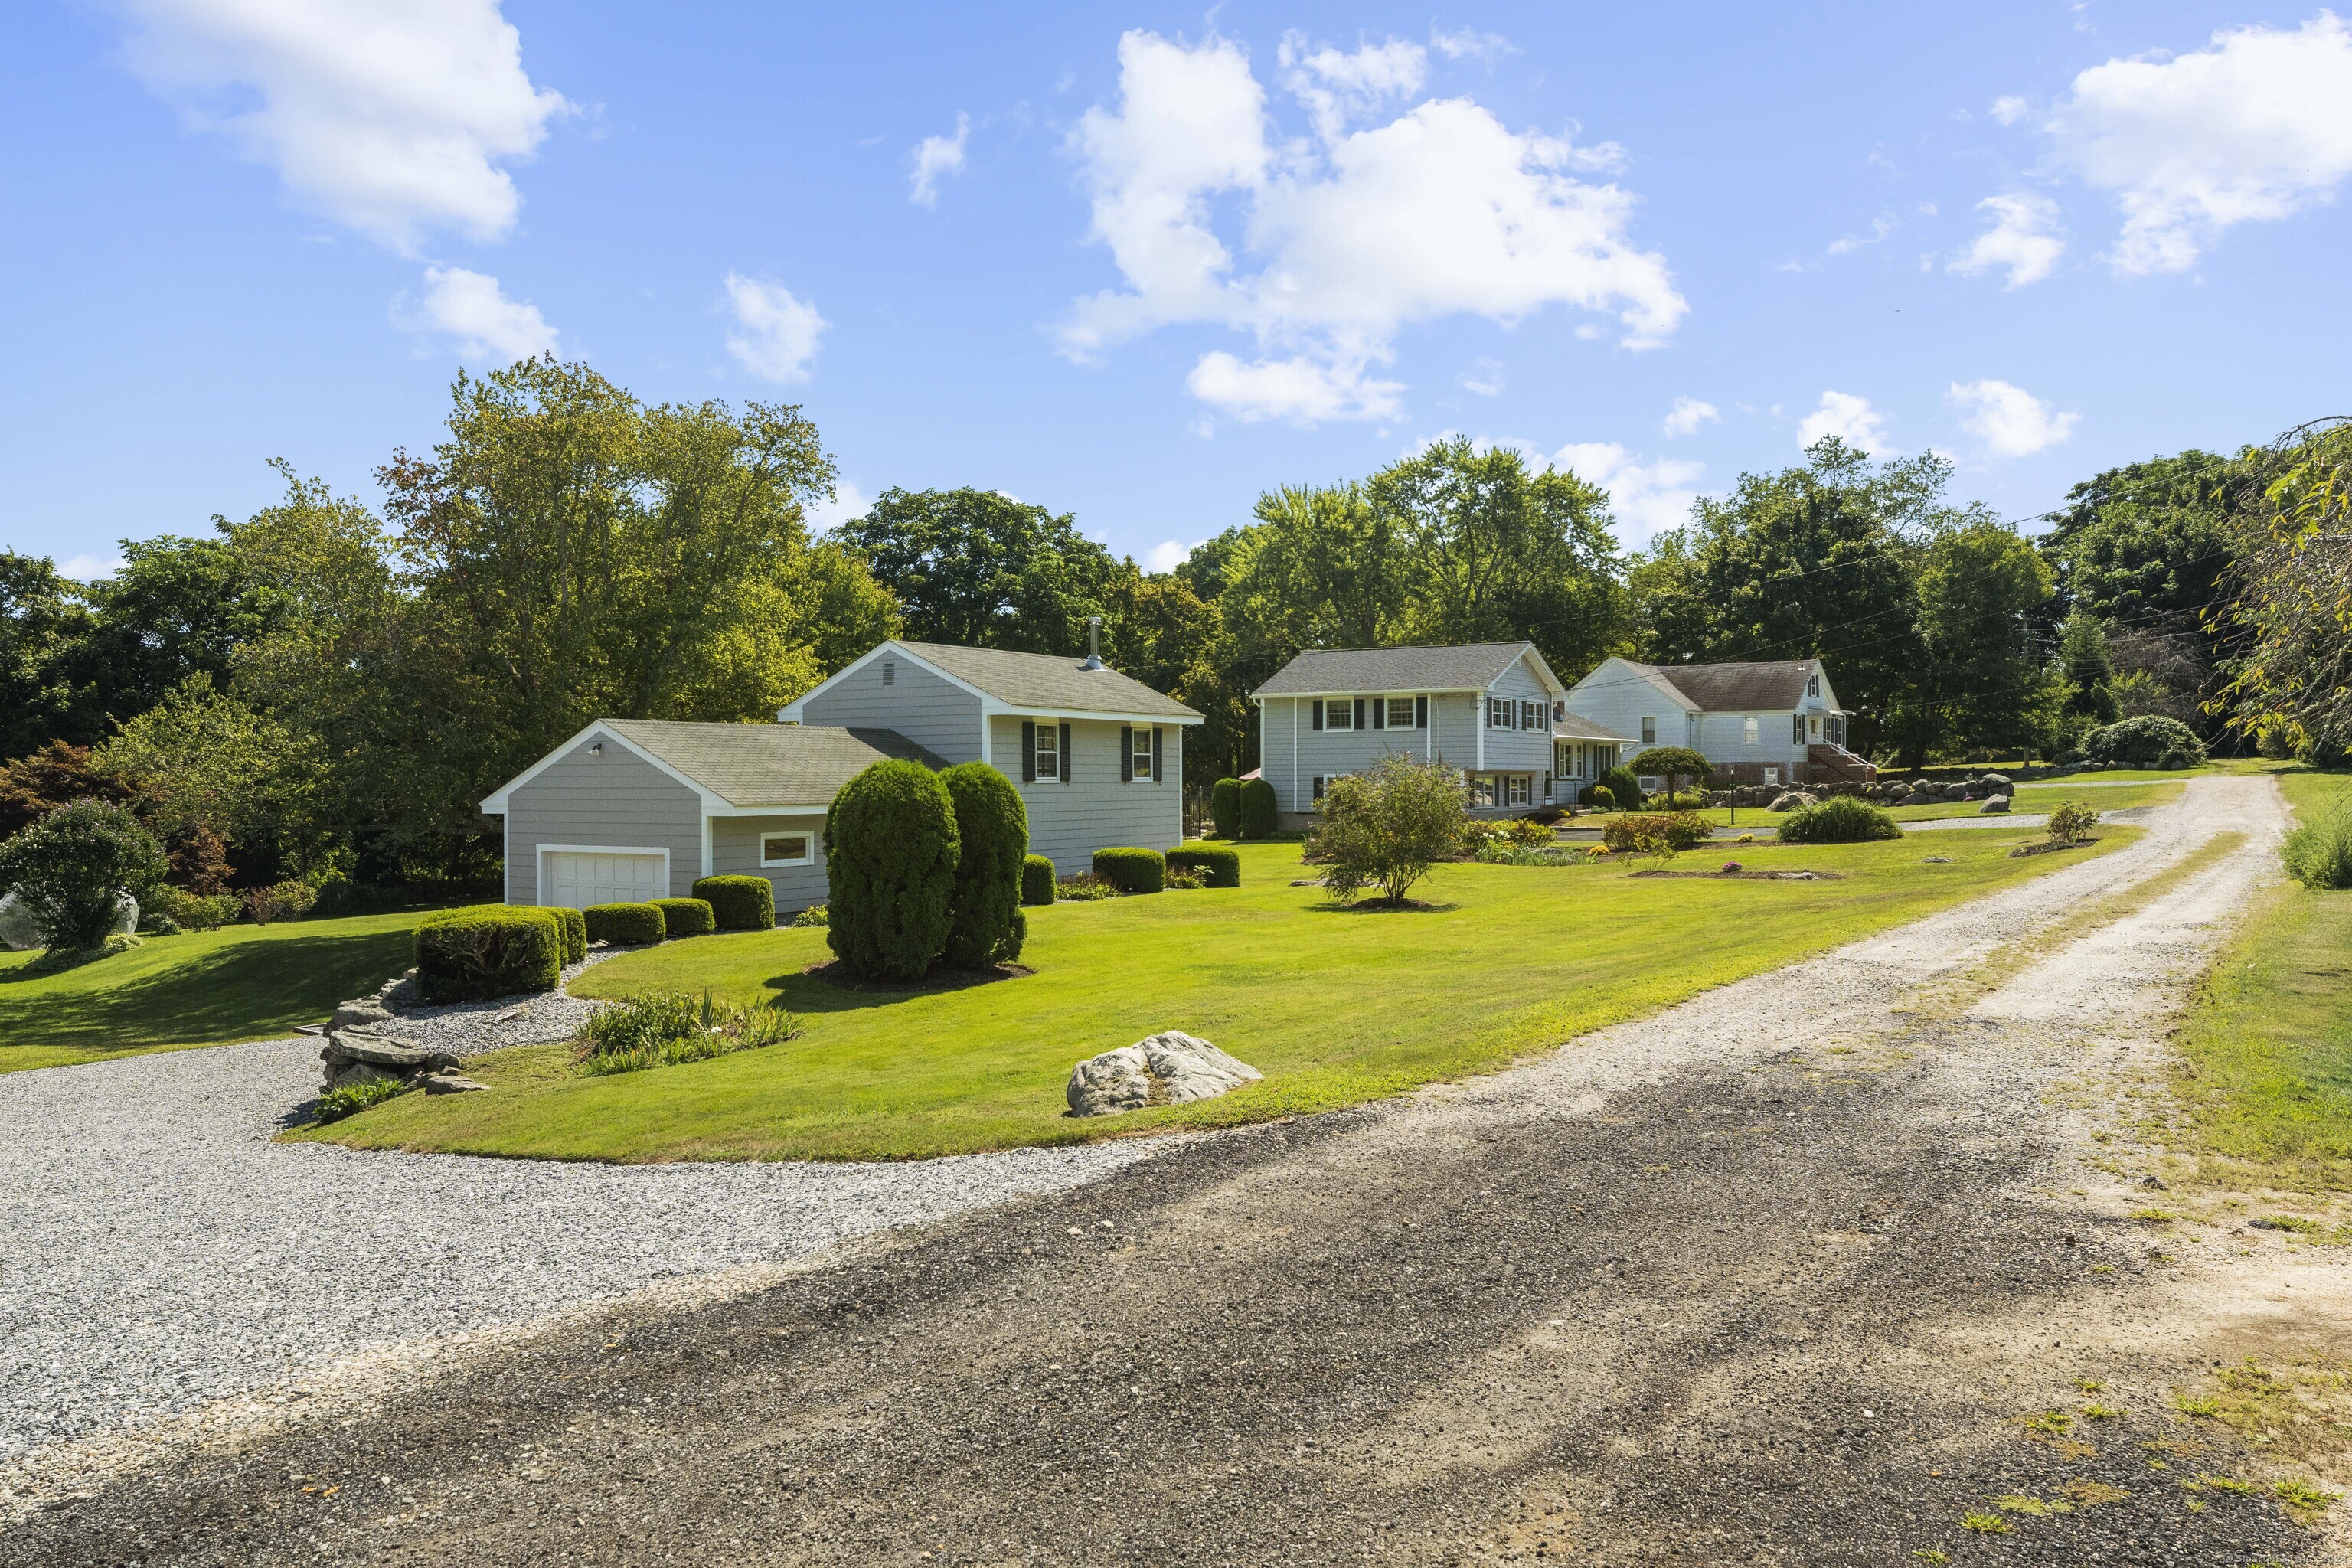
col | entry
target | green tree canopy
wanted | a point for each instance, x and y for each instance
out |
(1981, 683)
(975, 567)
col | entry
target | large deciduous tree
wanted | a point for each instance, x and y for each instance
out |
(2292, 683)
(1982, 684)
(978, 568)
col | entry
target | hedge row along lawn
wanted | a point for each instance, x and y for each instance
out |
(200, 988)
(2266, 1052)
(1334, 1006)
(1764, 823)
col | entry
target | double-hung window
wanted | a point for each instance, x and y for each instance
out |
(1519, 789)
(1482, 790)
(1139, 751)
(1339, 713)
(1049, 752)
(1649, 730)
(1400, 712)
(1751, 732)
(1498, 713)
(784, 850)
(1531, 716)
(1796, 729)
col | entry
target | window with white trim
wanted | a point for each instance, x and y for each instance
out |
(1400, 712)
(1531, 716)
(786, 850)
(1339, 713)
(1796, 729)
(1752, 731)
(1498, 713)
(1138, 753)
(1772, 776)
(1814, 687)
(1649, 730)
(1519, 789)
(1049, 751)
(1482, 790)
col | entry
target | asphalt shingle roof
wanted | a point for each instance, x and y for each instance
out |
(1732, 687)
(769, 765)
(1047, 680)
(1462, 666)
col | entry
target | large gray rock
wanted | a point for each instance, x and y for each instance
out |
(1792, 800)
(353, 1057)
(360, 1013)
(449, 1083)
(1997, 783)
(1166, 1070)
(1994, 806)
(20, 928)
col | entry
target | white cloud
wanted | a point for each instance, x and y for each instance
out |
(2010, 111)
(1645, 497)
(1880, 228)
(2009, 419)
(392, 116)
(2022, 238)
(1469, 44)
(1483, 378)
(1301, 389)
(2259, 126)
(935, 157)
(471, 308)
(1439, 211)
(89, 568)
(1851, 419)
(1689, 414)
(776, 334)
(848, 504)
(1168, 555)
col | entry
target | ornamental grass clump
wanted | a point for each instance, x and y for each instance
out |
(2320, 855)
(1385, 827)
(1841, 819)
(353, 1098)
(669, 1028)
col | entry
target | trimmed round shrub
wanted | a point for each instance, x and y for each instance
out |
(572, 927)
(985, 924)
(1681, 829)
(1132, 870)
(1624, 789)
(69, 867)
(891, 855)
(2145, 741)
(1225, 807)
(487, 949)
(739, 903)
(1841, 819)
(1257, 809)
(1222, 868)
(685, 916)
(622, 925)
(1037, 881)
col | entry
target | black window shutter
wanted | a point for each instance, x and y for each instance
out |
(1126, 754)
(1359, 713)
(1066, 762)
(1421, 712)
(1319, 713)
(1380, 712)
(1028, 751)
(1157, 772)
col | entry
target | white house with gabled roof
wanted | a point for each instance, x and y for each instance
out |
(1777, 723)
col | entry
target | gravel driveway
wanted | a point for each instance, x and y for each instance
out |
(1784, 1274)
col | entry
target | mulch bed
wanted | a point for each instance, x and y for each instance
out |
(2026, 850)
(836, 974)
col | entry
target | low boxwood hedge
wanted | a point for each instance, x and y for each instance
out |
(572, 927)
(1221, 867)
(624, 925)
(1132, 870)
(1037, 881)
(685, 916)
(740, 903)
(487, 949)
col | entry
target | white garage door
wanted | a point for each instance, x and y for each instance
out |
(578, 878)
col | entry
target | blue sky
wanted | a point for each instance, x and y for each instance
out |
(1141, 264)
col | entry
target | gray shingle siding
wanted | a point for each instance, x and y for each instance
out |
(1329, 752)
(616, 801)
(1454, 729)
(735, 852)
(1520, 751)
(1097, 809)
(932, 713)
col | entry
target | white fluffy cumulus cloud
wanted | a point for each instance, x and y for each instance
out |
(1645, 497)
(1689, 414)
(2009, 419)
(1324, 247)
(775, 334)
(1851, 419)
(2257, 126)
(392, 116)
(933, 159)
(470, 310)
(2023, 239)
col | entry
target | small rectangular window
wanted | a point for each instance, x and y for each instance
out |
(1531, 716)
(1049, 752)
(1520, 787)
(889, 672)
(1649, 730)
(1796, 729)
(1751, 732)
(1339, 713)
(1814, 687)
(1772, 775)
(1498, 713)
(1481, 792)
(1400, 712)
(784, 850)
(1138, 753)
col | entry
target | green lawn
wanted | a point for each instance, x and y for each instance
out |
(2266, 1051)
(201, 988)
(1335, 1007)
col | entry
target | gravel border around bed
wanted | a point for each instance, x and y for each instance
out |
(469, 1028)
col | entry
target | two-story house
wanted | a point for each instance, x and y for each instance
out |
(1756, 723)
(633, 809)
(1493, 711)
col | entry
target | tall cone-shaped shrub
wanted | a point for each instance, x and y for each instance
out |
(891, 853)
(985, 924)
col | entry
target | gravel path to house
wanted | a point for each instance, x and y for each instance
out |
(1777, 1275)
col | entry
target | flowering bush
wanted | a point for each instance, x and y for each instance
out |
(1732, 865)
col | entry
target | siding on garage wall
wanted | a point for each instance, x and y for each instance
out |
(1097, 809)
(735, 852)
(927, 710)
(618, 801)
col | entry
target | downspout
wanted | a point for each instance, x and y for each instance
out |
(1293, 752)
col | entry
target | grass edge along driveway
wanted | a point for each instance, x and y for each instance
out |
(1336, 1007)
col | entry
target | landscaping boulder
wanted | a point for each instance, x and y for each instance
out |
(449, 1082)
(360, 1013)
(1792, 800)
(1166, 1070)
(1996, 782)
(1994, 806)
(353, 1057)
